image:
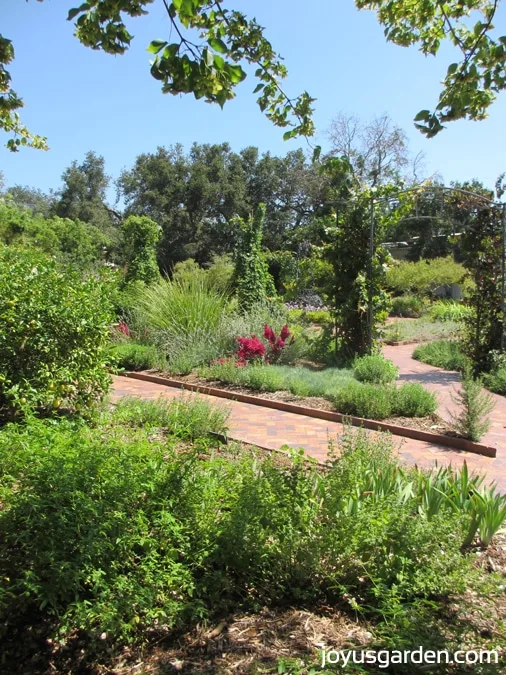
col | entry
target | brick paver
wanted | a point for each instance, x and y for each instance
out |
(274, 429)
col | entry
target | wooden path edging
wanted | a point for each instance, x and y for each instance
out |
(436, 439)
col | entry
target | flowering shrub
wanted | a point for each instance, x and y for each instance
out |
(250, 349)
(277, 344)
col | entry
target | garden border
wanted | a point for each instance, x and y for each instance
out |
(437, 439)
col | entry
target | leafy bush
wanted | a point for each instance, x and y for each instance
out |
(117, 532)
(410, 306)
(445, 354)
(425, 276)
(321, 317)
(496, 381)
(449, 310)
(253, 282)
(365, 400)
(413, 400)
(375, 368)
(54, 330)
(132, 356)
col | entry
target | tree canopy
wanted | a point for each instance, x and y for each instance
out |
(213, 66)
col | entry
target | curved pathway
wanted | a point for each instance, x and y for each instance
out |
(444, 383)
(273, 429)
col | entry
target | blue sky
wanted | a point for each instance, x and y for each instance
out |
(86, 100)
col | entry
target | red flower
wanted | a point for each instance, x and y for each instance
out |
(284, 332)
(250, 349)
(123, 328)
(269, 334)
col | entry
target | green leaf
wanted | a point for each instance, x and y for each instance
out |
(258, 88)
(236, 74)
(452, 68)
(219, 63)
(156, 46)
(422, 115)
(218, 45)
(289, 134)
(78, 10)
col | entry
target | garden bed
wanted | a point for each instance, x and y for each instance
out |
(433, 423)
(432, 435)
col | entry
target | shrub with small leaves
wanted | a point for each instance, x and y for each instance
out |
(375, 369)
(54, 332)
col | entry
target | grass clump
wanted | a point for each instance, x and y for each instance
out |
(445, 354)
(133, 356)
(186, 416)
(449, 310)
(375, 369)
(185, 320)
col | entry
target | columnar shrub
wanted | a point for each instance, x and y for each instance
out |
(54, 330)
(140, 235)
(252, 278)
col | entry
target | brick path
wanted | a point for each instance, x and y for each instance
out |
(443, 383)
(273, 429)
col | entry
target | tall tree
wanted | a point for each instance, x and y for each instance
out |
(35, 200)
(83, 196)
(377, 150)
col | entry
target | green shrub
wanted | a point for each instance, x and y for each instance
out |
(132, 356)
(425, 276)
(365, 400)
(375, 369)
(110, 530)
(54, 330)
(472, 421)
(496, 381)
(140, 236)
(449, 310)
(410, 306)
(412, 400)
(185, 416)
(445, 354)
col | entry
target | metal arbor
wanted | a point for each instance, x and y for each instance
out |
(440, 208)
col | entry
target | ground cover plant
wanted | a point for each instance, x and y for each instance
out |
(124, 532)
(419, 330)
(338, 385)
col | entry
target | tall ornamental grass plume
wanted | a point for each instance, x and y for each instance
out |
(185, 319)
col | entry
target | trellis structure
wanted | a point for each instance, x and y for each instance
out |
(455, 205)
